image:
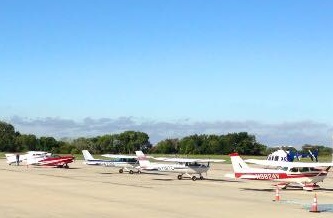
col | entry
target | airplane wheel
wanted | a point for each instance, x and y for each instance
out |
(179, 177)
(121, 171)
(139, 171)
(201, 177)
(131, 172)
(194, 178)
(66, 166)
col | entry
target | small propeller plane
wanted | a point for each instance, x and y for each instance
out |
(13, 158)
(128, 163)
(182, 166)
(53, 160)
(305, 175)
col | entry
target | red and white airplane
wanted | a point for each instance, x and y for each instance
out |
(182, 166)
(53, 161)
(305, 175)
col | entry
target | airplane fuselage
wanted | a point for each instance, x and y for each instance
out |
(57, 161)
(183, 169)
(112, 163)
(310, 176)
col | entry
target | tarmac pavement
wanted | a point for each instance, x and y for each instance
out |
(94, 191)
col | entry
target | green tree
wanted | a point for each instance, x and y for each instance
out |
(7, 137)
(132, 141)
(27, 142)
(168, 146)
(84, 144)
(49, 144)
(105, 144)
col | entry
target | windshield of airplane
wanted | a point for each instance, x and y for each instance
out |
(194, 164)
(129, 160)
(55, 155)
(283, 168)
(303, 169)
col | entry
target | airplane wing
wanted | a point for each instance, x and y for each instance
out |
(302, 164)
(264, 162)
(119, 156)
(287, 164)
(188, 160)
(210, 160)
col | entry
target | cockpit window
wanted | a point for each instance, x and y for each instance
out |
(304, 169)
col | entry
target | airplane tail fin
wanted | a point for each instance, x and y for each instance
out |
(143, 161)
(238, 164)
(87, 156)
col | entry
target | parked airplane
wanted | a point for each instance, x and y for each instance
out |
(53, 160)
(128, 163)
(182, 166)
(12, 158)
(305, 175)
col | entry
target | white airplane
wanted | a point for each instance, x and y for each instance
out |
(12, 158)
(182, 166)
(305, 175)
(128, 163)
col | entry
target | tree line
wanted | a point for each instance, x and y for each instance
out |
(129, 141)
(242, 143)
(126, 142)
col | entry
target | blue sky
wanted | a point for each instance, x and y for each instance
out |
(181, 67)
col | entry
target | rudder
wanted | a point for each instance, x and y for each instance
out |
(87, 156)
(238, 164)
(143, 161)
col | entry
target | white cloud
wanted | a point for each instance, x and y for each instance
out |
(290, 133)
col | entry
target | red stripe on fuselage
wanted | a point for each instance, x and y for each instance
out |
(55, 161)
(274, 176)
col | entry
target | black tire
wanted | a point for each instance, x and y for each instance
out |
(131, 172)
(179, 177)
(201, 177)
(121, 171)
(194, 178)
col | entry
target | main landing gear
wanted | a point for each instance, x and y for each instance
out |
(63, 166)
(311, 187)
(194, 178)
(129, 171)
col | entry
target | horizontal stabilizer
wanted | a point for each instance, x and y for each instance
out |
(248, 177)
(230, 175)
